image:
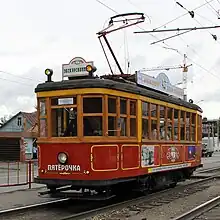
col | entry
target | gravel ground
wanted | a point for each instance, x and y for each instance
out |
(165, 211)
(179, 206)
(53, 212)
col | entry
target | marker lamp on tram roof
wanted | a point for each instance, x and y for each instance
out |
(49, 72)
(90, 69)
(62, 158)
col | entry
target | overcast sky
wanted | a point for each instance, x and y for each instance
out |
(39, 34)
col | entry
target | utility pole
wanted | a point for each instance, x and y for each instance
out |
(208, 136)
(213, 136)
(185, 70)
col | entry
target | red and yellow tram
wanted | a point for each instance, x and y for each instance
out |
(107, 135)
(115, 133)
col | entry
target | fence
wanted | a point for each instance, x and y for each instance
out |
(17, 173)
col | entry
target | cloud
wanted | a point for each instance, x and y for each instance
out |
(19, 95)
(31, 41)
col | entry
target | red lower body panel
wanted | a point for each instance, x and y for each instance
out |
(114, 161)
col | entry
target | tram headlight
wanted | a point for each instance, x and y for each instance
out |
(62, 158)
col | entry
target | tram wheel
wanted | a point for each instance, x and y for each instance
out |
(172, 185)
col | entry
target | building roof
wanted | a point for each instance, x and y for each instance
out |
(31, 118)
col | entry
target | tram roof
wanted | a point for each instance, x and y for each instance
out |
(112, 84)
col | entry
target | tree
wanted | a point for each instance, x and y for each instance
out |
(4, 119)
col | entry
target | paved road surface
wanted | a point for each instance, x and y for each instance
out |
(210, 162)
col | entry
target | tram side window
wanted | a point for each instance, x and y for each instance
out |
(154, 130)
(170, 124)
(193, 127)
(112, 117)
(176, 124)
(133, 125)
(182, 125)
(123, 116)
(43, 118)
(92, 116)
(188, 127)
(43, 110)
(163, 135)
(145, 120)
(92, 105)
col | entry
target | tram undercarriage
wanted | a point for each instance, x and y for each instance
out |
(104, 190)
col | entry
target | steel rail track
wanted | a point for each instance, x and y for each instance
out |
(33, 206)
(130, 202)
(199, 210)
(213, 169)
(105, 207)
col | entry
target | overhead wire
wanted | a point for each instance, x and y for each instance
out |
(190, 47)
(22, 77)
(16, 82)
(215, 38)
(197, 64)
(213, 9)
(168, 46)
(139, 9)
(205, 18)
(213, 35)
(105, 5)
(178, 17)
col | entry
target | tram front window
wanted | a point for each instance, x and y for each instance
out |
(64, 122)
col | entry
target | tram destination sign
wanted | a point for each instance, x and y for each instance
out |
(160, 83)
(76, 67)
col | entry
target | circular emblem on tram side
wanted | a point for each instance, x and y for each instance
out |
(173, 154)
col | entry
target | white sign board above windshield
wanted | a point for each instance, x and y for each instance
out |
(76, 67)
